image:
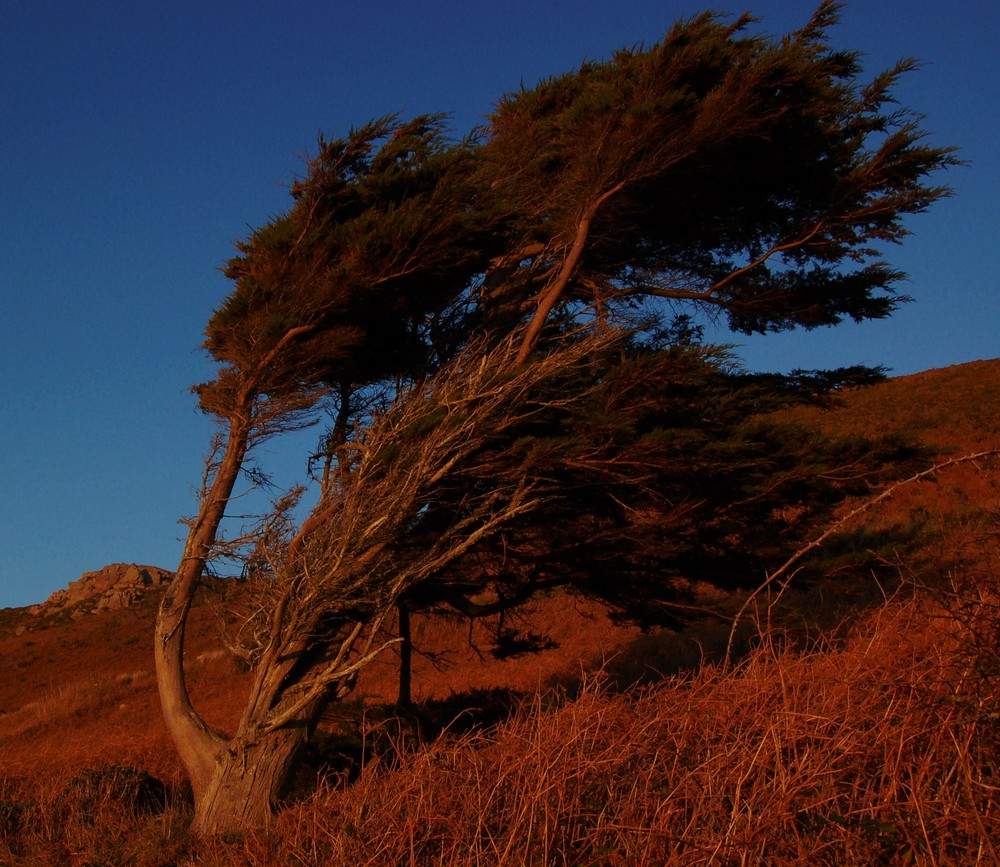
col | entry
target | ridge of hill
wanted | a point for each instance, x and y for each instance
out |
(82, 662)
(950, 410)
(118, 585)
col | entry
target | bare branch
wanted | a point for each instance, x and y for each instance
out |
(868, 504)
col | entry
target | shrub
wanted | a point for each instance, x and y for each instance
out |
(126, 791)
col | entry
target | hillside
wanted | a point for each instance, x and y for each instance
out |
(951, 409)
(98, 667)
(79, 690)
(93, 675)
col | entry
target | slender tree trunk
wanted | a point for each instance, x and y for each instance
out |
(405, 697)
(555, 290)
(338, 437)
(197, 744)
(216, 764)
(237, 782)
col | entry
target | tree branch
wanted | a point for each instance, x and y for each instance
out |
(836, 525)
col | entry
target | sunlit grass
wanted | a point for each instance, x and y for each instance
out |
(880, 745)
(881, 749)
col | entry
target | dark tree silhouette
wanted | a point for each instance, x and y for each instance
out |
(479, 317)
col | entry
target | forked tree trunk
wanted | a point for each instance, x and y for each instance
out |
(236, 782)
(251, 774)
(248, 783)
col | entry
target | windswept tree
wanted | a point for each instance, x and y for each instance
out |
(509, 414)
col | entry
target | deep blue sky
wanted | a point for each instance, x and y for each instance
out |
(141, 139)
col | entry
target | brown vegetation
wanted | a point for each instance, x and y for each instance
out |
(880, 745)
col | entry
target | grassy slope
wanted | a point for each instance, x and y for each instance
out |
(81, 693)
(953, 409)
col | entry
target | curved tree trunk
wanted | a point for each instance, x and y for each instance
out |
(197, 744)
(235, 781)
(553, 292)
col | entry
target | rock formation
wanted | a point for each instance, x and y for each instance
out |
(116, 586)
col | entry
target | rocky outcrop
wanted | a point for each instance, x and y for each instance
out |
(119, 585)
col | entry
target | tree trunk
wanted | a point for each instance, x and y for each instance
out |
(249, 781)
(235, 782)
(554, 291)
(405, 697)
(196, 743)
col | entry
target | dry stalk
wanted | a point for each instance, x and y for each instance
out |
(784, 569)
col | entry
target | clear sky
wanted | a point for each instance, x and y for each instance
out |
(141, 138)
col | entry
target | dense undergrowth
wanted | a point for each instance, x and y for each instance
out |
(876, 744)
(883, 748)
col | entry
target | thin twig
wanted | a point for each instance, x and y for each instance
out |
(834, 527)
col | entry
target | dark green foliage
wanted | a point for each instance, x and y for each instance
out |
(737, 172)
(384, 234)
(669, 484)
(483, 319)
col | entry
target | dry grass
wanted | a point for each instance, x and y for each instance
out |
(883, 750)
(97, 694)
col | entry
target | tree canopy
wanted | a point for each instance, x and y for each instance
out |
(504, 327)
